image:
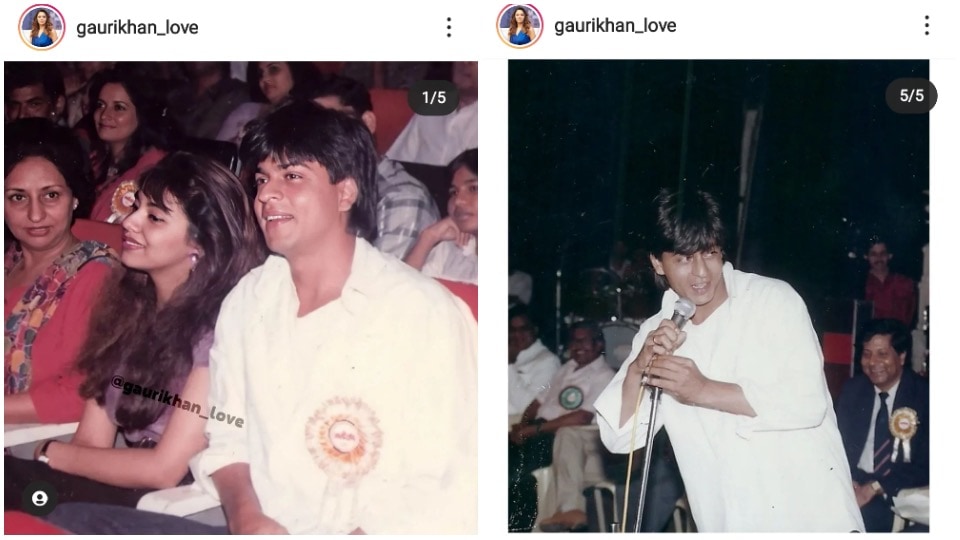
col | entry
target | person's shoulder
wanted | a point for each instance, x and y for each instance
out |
(764, 287)
(857, 386)
(254, 282)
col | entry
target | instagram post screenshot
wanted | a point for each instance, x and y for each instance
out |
(719, 258)
(240, 274)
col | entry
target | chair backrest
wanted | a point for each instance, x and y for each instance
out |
(224, 152)
(465, 291)
(110, 234)
(393, 112)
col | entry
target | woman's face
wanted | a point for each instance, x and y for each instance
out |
(156, 241)
(276, 81)
(462, 205)
(519, 16)
(115, 114)
(38, 205)
(41, 18)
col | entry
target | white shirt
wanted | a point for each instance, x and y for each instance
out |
(866, 458)
(437, 140)
(530, 375)
(784, 469)
(574, 389)
(449, 261)
(362, 413)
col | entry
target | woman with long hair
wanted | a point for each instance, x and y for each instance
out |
(190, 238)
(271, 85)
(50, 277)
(42, 33)
(521, 29)
(133, 133)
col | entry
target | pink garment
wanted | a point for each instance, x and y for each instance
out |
(54, 385)
(103, 207)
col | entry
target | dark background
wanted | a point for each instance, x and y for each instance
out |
(591, 142)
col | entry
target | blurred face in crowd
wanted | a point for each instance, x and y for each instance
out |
(38, 205)
(462, 205)
(881, 362)
(298, 207)
(522, 336)
(583, 348)
(465, 78)
(879, 258)
(115, 114)
(276, 81)
(156, 240)
(31, 102)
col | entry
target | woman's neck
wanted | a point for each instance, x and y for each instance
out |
(116, 151)
(34, 260)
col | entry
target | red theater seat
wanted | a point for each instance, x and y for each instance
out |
(393, 112)
(837, 360)
(465, 291)
(15, 522)
(110, 234)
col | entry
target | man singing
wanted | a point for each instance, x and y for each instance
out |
(744, 400)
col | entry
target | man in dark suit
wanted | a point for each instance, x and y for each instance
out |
(884, 421)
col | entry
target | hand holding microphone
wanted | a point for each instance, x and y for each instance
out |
(679, 377)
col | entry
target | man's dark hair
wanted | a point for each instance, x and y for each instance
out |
(46, 74)
(898, 332)
(521, 310)
(468, 158)
(302, 132)
(594, 329)
(685, 223)
(350, 92)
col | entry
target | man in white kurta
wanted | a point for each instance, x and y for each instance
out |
(781, 470)
(355, 375)
(531, 364)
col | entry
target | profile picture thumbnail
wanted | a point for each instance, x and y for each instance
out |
(41, 27)
(519, 25)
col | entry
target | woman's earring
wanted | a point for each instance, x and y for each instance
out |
(76, 204)
(193, 259)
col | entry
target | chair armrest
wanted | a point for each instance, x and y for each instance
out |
(179, 501)
(17, 434)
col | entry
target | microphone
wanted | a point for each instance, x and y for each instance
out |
(683, 310)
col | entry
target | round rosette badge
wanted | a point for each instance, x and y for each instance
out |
(571, 398)
(344, 439)
(903, 426)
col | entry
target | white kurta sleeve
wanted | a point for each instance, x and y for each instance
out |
(227, 444)
(782, 371)
(615, 437)
(435, 490)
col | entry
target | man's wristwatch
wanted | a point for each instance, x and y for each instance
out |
(877, 488)
(42, 457)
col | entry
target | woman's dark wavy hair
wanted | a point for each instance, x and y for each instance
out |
(303, 131)
(686, 223)
(302, 73)
(151, 346)
(155, 128)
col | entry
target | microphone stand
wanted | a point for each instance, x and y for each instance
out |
(647, 454)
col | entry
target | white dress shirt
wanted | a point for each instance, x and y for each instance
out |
(530, 375)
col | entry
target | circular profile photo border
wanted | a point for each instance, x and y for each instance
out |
(63, 31)
(507, 41)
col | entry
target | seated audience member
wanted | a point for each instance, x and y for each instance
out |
(536, 442)
(34, 90)
(356, 424)
(404, 205)
(894, 296)
(437, 140)
(132, 135)
(531, 364)
(448, 248)
(520, 287)
(883, 416)
(205, 100)
(190, 238)
(50, 277)
(270, 85)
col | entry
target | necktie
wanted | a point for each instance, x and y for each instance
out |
(882, 440)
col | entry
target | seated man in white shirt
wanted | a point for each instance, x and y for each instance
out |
(535, 441)
(353, 423)
(436, 140)
(448, 248)
(531, 364)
